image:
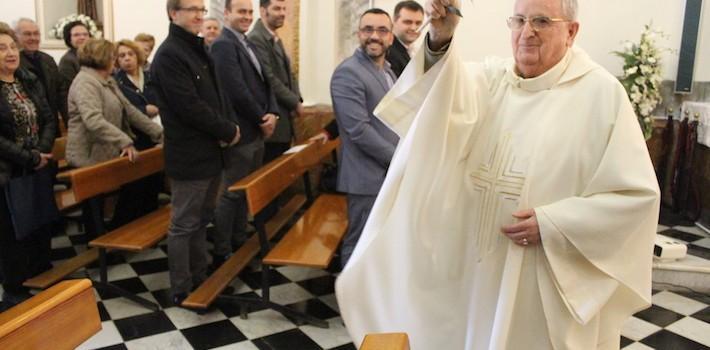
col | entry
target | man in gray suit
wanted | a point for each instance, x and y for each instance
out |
(277, 70)
(367, 145)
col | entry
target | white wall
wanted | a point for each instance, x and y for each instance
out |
(605, 25)
(131, 17)
(11, 10)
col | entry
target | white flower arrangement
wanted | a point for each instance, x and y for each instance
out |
(57, 31)
(642, 76)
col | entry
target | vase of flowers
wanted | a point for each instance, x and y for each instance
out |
(57, 31)
(642, 76)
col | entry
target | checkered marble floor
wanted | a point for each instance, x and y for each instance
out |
(677, 320)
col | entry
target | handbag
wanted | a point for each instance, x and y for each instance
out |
(30, 200)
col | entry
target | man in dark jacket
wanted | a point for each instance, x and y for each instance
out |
(198, 125)
(277, 69)
(408, 17)
(43, 66)
(253, 101)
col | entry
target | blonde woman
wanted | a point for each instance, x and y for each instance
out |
(100, 116)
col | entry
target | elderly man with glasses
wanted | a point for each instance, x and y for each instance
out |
(42, 65)
(367, 145)
(520, 209)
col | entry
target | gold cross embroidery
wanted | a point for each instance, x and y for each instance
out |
(498, 184)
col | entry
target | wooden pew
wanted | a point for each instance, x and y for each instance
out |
(59, 272)
(61, 317)
(312, 241)
(209, 290)
(106, 177)
(136, 236)
(88, 183)
(262, 187)
(385, 341)
(264, 184)
(59, 152)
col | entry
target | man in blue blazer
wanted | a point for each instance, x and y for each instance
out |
(367, 145)
(247, 88)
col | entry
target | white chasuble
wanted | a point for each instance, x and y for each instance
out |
(478, 143)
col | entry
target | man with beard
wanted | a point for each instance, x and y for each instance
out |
(277, 70)
(248, 90)
(42, 65)
(408, 17)
(367, 145)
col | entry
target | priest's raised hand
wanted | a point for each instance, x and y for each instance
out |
(443, 23)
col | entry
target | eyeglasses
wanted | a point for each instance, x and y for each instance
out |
(537, 23)
(370, 30)
(194, 10)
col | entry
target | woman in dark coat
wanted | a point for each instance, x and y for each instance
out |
(27, 131)
(75, 34)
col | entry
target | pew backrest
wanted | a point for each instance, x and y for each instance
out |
(61, 317)
(105, 177)
(264, 185)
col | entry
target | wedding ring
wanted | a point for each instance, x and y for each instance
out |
(525, 241)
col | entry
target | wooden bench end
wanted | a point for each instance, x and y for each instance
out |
(385, 341)
(61, 317)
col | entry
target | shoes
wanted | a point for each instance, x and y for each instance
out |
(178, 298)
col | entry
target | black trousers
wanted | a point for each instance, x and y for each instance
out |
(21, 259)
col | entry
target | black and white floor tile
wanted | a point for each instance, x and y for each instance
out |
(677, 320)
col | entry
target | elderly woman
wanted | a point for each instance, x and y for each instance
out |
(27, 130)
(75, 34)
(100, 117)
(135, 85)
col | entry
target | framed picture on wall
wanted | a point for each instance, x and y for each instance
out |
(50, 13)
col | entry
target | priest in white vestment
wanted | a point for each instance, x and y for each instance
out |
(520, 208)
